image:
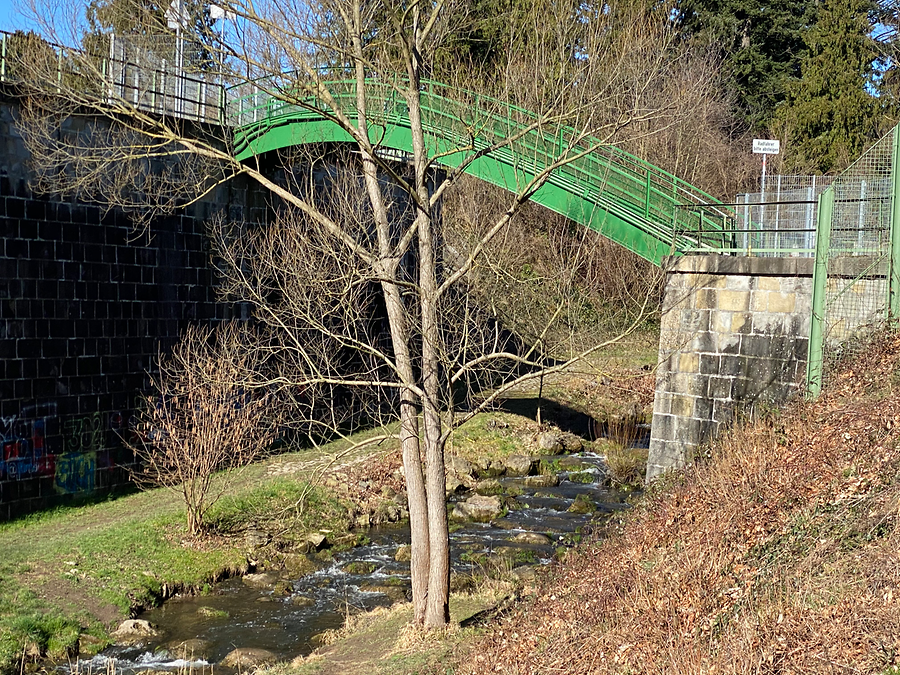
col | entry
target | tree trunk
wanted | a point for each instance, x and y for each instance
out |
(386, 270)
(437, 612)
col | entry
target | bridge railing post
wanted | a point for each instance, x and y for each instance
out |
(647, 195)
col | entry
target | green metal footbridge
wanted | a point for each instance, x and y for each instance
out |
(594, 183)
(626, 199)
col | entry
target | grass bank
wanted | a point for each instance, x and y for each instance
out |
(67, 576)
(381, 642)
(776, 552)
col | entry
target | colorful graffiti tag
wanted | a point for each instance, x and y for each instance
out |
(23, 443)
(83, 449)
(75, 472)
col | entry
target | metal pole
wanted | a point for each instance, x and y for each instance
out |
(179, 72)
(893, 304)
(815, 355)
(810, 211)
(3, 60)
(136, 95)
(222, 103)
(746, 233)
(112, 56)
(762, 182)
(778, 239)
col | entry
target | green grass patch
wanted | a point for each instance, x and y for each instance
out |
(285, 504)
(28, 627)
(494, 434)
(108, 557)
(129, 565)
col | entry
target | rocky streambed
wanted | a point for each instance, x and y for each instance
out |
(508, 516)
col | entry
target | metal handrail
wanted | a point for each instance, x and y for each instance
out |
(126, 81)
(648, 197)
(638, 193)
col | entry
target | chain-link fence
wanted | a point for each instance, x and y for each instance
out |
(780, 219)
(852, 288)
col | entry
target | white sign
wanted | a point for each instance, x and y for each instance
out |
(762, 146)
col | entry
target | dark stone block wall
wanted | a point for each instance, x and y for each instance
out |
(85, 306)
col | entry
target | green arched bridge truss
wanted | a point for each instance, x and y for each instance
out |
(630, 201)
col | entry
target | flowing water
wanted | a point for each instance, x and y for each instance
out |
(235, 614)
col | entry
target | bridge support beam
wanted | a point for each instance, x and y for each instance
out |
(734, 336)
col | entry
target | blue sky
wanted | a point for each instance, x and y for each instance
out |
(11, 18)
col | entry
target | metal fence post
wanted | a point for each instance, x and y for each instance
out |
(778, 237)
(222, 102)
(745, 235)
(893, 299)
(808, 236)
(815, 352)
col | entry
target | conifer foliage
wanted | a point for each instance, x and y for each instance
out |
(830, 112)
(760, 43)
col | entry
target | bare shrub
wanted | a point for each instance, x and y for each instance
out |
(204, 417)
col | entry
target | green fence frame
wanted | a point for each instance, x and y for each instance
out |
(825, 223)
(816, 354)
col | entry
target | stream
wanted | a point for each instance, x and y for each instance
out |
(235, 614)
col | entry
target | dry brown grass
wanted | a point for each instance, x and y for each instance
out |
(779, 554)
(626, 465)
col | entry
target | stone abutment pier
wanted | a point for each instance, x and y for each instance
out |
(734, 335)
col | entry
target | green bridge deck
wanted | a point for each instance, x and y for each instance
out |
(598, 185)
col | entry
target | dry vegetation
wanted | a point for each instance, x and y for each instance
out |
(776, 554)
(203, 417)
(554, 283)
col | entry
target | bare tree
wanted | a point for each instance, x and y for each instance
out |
(204, 417)
(331, 256)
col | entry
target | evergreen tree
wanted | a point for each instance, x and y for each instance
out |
(830, 111)
(761, 44)
(148, 25)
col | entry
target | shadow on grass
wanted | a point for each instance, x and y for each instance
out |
(628, 432)
(566, 418)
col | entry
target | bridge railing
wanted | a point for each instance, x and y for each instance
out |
(459, 121)
(154, 79)
(148, 80)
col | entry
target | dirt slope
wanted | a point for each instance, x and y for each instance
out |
(776, 554)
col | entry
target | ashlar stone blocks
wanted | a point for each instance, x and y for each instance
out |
(735, 333)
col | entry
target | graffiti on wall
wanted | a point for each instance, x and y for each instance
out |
(85, 434)
(75, 472)
(23, 444)
(83, 449)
